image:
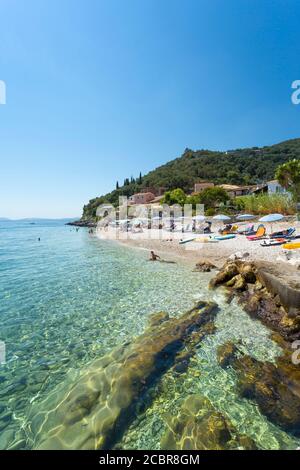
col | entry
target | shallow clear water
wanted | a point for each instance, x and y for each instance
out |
(70, 298)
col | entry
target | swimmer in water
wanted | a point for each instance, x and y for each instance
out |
(153, 256)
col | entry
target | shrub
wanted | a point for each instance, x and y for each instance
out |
(210, 212)
(266, 204)
(176, 196)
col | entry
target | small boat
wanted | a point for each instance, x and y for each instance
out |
(274, 242)
(187, 240)
(291, 246)
(206, 240)
(223, 237)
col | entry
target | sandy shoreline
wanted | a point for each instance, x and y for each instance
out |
(216, 253)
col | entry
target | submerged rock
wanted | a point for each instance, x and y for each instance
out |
(226, 354)
(158, 318)
(274, 387)
(199, 426)
(92, 412)
(204, 266)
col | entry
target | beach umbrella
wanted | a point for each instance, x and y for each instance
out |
(137, 221)
(199, 218)
(222, 217)
(271, 218)
(245, 217)
(123, 221)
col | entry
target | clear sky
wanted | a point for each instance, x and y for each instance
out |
(99, 90)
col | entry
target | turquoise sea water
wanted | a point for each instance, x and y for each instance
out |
(70, 298)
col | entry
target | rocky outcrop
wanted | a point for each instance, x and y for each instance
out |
(92, 412)
(267, 291)
(274, 387)
(199, 426)
(83, 223)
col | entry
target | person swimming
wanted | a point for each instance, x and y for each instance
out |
(153, 256)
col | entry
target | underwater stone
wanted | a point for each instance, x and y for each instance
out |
(157, 318)
(199, 426)
(92, 412)
(226, 354)
(204, 266)
(275, 387)
(6, 437)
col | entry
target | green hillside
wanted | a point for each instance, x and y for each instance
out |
(240, 166)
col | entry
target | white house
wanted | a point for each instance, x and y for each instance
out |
(275, 188)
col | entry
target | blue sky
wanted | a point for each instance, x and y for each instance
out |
(99, 90)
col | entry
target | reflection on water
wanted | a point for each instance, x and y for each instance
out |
(70, 298)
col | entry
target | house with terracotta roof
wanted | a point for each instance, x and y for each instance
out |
(199, 187)
(141, 198)
(234, 190)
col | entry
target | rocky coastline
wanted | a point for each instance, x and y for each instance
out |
(83, 223)
(266, 291)
(95, 410)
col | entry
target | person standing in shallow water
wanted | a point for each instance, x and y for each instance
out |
(153, 256)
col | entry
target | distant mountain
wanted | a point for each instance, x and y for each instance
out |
(33, 219)
(241, 166)
(37, 220)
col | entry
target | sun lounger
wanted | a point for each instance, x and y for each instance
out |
(248, 231)
(229, 229)
(284, 233)
(261, 232)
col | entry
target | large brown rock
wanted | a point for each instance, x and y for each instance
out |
(199, 426)
(267, 291)
(228, 271)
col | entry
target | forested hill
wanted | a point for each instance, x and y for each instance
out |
(240, 166)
